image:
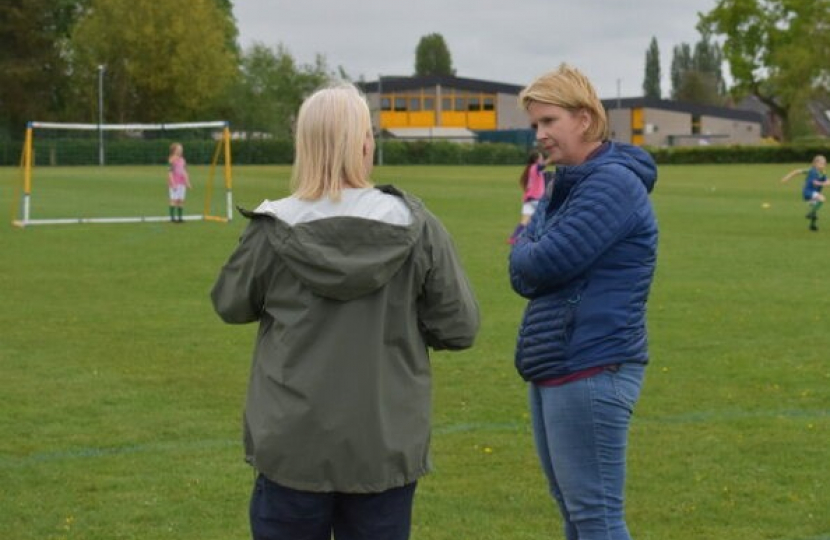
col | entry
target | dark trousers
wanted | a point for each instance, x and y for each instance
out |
(281, 513)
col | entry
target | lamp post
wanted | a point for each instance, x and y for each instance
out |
(619, 98)
(100, 114)
(380, 117)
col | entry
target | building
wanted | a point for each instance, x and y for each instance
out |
(442, 107)
(466, 110)
(657, 122)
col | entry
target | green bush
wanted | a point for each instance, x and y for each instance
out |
(450, 153)
(395, 152)
(738, 154)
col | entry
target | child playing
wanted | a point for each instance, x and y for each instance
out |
(815, 181)
(177, 182)
(532, 182)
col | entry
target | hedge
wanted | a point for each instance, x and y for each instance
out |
(245, 152)
(738, 154)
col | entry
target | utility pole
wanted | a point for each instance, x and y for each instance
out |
(380, 123)
(100, 114)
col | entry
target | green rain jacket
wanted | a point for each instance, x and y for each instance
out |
(339, 392)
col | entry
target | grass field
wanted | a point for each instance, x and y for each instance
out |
(121, 391)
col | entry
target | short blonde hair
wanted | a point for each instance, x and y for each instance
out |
(173, 147)
(331, 132)
(568, 88)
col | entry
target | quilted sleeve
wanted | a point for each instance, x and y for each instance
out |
(601, 210)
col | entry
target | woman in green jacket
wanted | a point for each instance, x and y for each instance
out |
(351, 284)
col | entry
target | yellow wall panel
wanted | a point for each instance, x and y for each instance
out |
(481, 120)
(638, 118)
(638, 122)
(422, 119)
(389, 119)
(453, 119)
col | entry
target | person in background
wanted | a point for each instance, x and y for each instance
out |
(585, 264)
(351, 284)
(532, 182)
(814, 182)
(178, 182)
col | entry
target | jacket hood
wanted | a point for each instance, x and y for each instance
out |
(342, 257)
(629, 156)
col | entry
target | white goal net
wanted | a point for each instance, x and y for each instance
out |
(118, 173)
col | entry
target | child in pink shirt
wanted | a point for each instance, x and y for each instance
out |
(178, 182)
(532, 182)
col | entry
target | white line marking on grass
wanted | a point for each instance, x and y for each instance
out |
(478, 426)
(729, 415)
(447, 429)
(825, 536)
(82, 453)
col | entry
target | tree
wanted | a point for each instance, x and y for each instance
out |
(777, 49)
(697, 76)
(651, 81)
(33, 78)
(272, 87)
(432, 57)
(161, 64)
(229, 22)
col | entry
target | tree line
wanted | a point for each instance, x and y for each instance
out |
(776, 51)
(154, 63)
(157, 64)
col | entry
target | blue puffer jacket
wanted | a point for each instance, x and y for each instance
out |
(586, 263)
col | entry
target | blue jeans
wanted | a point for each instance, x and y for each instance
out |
(581, 433)
(282, 513)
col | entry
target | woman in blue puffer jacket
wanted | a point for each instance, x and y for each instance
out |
(585, 264)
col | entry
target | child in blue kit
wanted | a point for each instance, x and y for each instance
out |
(814, 182)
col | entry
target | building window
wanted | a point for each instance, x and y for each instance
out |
(429, 104)
(460, 104)
(414, 104)
(400, 104)
(446, 104)
(385, 104)
(474, 104)
(489, 104)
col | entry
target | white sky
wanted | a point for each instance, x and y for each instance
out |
(496, 40)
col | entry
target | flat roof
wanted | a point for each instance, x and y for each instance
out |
(681, 106)
(397, 83)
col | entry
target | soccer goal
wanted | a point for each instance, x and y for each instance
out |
(117, 173)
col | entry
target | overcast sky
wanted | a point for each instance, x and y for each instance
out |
(496, 40)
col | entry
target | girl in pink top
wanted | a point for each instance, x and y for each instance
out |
(532, 182)
(177, 182)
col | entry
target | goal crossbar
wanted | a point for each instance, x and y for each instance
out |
(129, 127)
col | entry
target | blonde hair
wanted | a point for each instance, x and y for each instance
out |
(568, 88)
(173, 148)
(332, 128)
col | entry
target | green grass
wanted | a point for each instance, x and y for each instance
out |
(121, 391)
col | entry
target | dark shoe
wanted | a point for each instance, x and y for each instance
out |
(813, 225)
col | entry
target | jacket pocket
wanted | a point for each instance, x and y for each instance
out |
(572, 303)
